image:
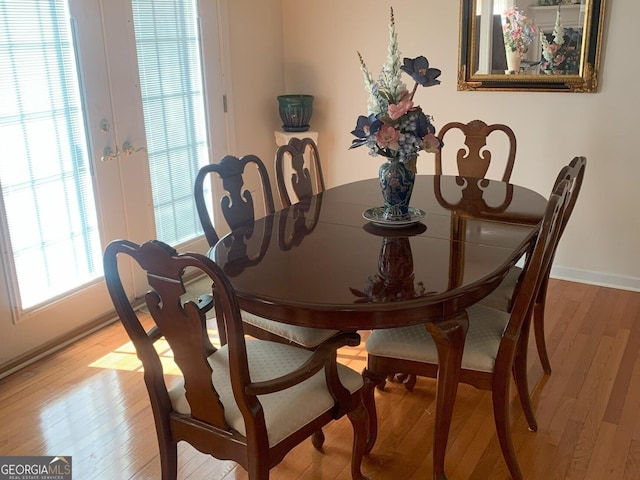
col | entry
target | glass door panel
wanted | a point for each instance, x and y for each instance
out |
(171, 83)
(45, 175)
(103, 127)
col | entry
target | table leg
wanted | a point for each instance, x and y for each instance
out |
(449, 337)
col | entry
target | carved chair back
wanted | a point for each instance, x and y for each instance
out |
(475, 159)
(301, 181)
(237, 204)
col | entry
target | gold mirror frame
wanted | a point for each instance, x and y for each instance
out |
(585, 81)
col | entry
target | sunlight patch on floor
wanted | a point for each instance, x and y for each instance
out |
(125, 358)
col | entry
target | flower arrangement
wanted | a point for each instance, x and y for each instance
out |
(395, 127)
(518, 31)
(559, 54)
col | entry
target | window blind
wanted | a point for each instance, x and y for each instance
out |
(49, 208)
(168, 49)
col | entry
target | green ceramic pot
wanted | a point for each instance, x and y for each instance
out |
(295, 112)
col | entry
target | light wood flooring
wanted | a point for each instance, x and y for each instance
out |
(89, 401)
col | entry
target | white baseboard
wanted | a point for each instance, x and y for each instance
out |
(596, 278)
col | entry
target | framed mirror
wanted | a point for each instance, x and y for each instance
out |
(530, 45)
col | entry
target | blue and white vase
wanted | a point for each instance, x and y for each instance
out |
(396, 183)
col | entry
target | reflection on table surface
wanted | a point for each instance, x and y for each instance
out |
(320, 263)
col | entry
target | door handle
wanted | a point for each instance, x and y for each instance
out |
(108, 154)
(129, 149)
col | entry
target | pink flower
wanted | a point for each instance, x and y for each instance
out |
(387, 137)
(396, 111)
(430, 143)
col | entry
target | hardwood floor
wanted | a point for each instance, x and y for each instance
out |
(89, 401)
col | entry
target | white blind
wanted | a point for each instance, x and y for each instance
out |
(49, 207)
(168, 49)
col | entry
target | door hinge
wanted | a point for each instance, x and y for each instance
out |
(224, 103)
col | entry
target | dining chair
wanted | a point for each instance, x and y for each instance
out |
(475, 159)
(249, 400)
(237, 204)
(238, 210)
(291, 158)
(502, 297)
(495, 346)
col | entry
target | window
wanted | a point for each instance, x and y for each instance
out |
(45, 173)
(168, 48)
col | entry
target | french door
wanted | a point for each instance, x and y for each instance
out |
(107, 110)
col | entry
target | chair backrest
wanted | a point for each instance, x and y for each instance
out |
(183, 326)
(474, 160)
(536, 265)
(574, 173)
(301, 182)
(237, 204)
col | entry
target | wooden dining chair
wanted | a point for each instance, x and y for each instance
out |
(249, 401)
(291, 158)
(495, 347)
(237, 203)
(238, 210)
(502, 298)
(475, 159)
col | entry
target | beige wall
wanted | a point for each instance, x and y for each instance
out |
(253, 62)
(321, 38)
(291, 46)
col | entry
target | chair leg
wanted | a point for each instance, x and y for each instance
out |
(317, 440)
(407, 379)
(503, 426)
(538, 326)
(522, 385)
(410, 382)
(359, 419)
(257, 469)
(258, 473)
(371, 379)
(168, 459)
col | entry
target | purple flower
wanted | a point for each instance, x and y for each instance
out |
(419, 70)
(365, 127)
(423, 125)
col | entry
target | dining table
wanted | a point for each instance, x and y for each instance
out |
(332, 261)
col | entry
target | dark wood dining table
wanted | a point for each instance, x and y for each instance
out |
(321, 264)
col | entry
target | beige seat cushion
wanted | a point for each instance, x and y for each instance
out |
(415, 343)
(284, 412)
(500, 298)
(304, 336)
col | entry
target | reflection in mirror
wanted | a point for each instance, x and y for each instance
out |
(548, 45)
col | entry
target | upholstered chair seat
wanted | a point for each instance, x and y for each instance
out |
(303, 336)
(486, 326)
(285, 411)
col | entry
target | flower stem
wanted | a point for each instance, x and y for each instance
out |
(413, 92)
